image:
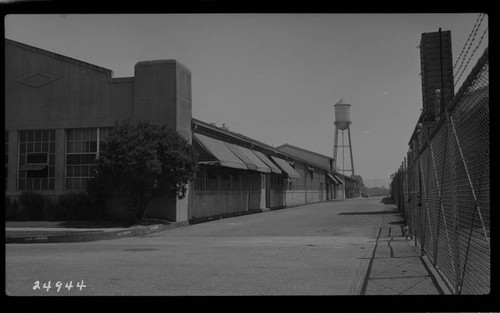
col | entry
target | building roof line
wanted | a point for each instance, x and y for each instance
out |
(305, 150)
(255, 142)
(59, 56)
(233, 134)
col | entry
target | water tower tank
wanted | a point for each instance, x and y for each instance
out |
(342, 115)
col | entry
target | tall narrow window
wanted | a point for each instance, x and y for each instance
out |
(82, 148)
(36, 159)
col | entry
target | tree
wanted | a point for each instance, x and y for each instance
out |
(142, 160)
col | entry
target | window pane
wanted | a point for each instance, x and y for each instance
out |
(38, 135)
(70, 159)
(92, 158)
(22, 136)
(52, 134)
(45, 135)
(85, 171)
(38, 147)
(52, 159)
(93, 146)
(43, 173)
(22, 159)
(70, 135)
(93, 134)
(77, 171)
(52, 147)
(29, 147)
(22, 174)
(45, 184)
(22, 148)
(70, 171)
(29, 184)
(69, 147)
(69, 183)
(45, 147)
(77, 147)
(36, 158)
(30, 136)
(52, 171)
(36, 184)
(22, 184)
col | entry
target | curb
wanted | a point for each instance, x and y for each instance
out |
(437, 276)
(92, 236)
(199, 220)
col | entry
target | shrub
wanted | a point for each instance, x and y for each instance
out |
(33, 205)
(78, 206)
(51, 210)
(12, 210)
(141, 160)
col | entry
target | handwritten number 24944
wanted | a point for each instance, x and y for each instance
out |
(58, 285)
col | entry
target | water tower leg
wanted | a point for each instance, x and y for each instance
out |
(335, 147)
(350, 149)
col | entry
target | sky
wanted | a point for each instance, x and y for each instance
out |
(275, 77)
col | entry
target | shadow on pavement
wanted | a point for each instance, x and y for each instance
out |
(387, 200)
(369, 212)
(402, 222)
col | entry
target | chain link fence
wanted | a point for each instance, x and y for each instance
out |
(442, 188)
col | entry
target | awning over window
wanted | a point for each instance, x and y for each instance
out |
(268, 162)
(237, 150)
(286, 167)
(33, 167)
(216, 152)
(336, 180)
(261, 166)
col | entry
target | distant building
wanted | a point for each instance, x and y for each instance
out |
(59, 111)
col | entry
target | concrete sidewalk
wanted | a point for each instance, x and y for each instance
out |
(397, 268)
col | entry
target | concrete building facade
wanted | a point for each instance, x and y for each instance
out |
(59, 111)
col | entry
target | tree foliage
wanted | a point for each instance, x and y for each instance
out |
(141, 160)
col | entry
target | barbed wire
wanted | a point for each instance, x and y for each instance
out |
(474, 33)
(470, 57)
(465, 45)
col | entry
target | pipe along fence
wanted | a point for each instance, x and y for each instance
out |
(442, 188)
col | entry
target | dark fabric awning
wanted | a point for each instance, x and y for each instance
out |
(286, 167)
(261, 166)
(335, 179)
(268, 162)
(240, 154)
(217, 153)
(338, 179)
(33, 167)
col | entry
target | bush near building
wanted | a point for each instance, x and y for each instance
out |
(142, 160)
(31, 206)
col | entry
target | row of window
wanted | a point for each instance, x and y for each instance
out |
(36, 168)
(226, 180)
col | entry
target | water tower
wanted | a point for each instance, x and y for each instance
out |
(342, 123)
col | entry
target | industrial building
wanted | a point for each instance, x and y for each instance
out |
(59, 111)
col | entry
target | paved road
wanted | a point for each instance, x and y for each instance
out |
(318, 249)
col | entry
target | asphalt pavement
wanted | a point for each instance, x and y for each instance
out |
(350, 247)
